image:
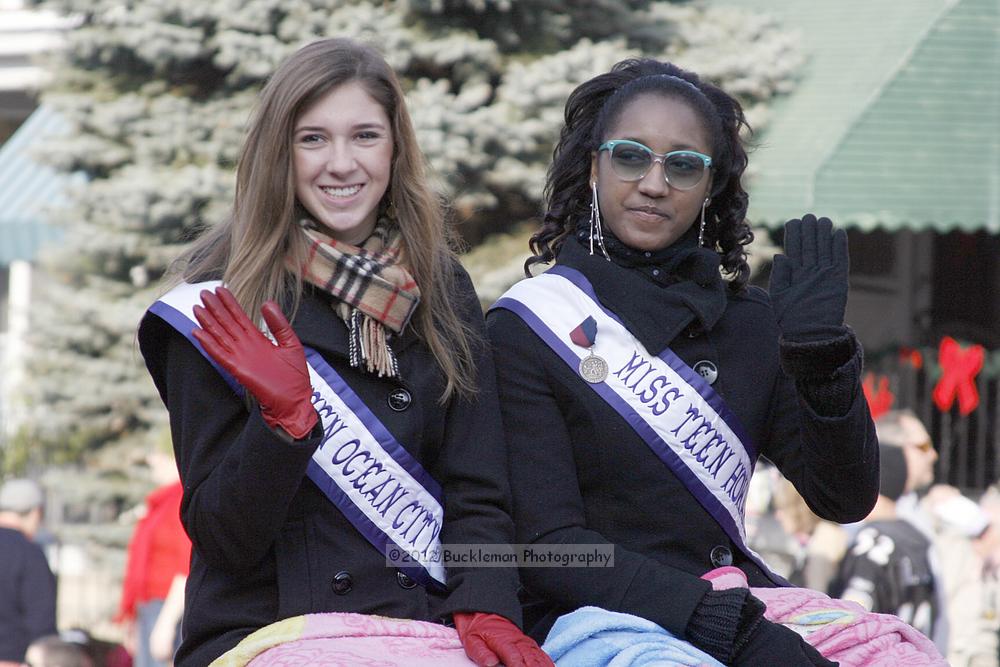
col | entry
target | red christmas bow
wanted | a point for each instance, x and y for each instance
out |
(880, 398)
(960, 368)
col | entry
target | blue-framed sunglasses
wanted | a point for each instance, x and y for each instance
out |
(631, 161)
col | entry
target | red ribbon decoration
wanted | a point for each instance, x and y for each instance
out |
(960, 368)
(880, 399)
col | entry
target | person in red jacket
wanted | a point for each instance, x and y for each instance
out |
(159, 556)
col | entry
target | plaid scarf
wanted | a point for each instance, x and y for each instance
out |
(373, 291)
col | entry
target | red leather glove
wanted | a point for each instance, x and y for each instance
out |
(491, 640)
(276, 375)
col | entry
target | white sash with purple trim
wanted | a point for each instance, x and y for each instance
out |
(381, 489)
(672, 408)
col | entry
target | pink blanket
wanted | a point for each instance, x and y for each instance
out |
(842, 631)
(348, 640)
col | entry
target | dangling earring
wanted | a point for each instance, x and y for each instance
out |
(595, 223)
(701, 230)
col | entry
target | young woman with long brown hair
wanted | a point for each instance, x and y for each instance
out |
(380, 390)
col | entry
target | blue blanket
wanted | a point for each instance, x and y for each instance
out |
(592, 637)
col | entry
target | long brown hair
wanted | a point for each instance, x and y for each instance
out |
(250, 249)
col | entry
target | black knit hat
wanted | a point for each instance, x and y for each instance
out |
(892, 471)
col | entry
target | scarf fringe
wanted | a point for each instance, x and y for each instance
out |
(368, 345)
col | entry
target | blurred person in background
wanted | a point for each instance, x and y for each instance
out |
(102, 653)
(968, 542)
(903, 429)
(27, 585)
(159, 555)
(886, 568)
(55, 651)
(767, 535)
(816, 545)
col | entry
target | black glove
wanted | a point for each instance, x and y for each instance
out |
(730, 626)
(809, 282)
(774, 644)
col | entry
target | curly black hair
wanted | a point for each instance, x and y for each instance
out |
(596, 105)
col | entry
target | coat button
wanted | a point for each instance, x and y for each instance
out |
(342, 583)
(405, 580)
(707, 370)
(721, 556)
(399, 399)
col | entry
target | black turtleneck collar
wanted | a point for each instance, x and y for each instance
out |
(657, 294)
(657, 265)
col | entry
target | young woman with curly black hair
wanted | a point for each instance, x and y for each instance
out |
(641, 377)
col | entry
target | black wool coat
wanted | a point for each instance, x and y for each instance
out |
(581, 475)
(268, 545)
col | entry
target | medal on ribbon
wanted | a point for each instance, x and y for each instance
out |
(593, 368)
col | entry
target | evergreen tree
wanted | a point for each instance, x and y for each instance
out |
(158, 94)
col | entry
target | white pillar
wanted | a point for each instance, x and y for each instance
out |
(12, 364)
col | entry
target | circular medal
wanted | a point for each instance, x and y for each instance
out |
(593, 369)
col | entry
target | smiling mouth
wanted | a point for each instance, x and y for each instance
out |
(341, 192)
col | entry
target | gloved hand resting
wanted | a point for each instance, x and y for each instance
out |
(774, 644)
(490, 639)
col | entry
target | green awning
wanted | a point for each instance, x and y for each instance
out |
(28, 187)
(895, 122)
